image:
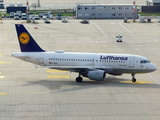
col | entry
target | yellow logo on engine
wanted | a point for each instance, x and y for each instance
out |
(24, 38)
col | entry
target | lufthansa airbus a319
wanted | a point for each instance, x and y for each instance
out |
(91, 65)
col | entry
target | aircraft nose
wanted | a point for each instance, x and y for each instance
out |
(153, 67)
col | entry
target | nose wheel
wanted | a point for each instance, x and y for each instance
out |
(133, 77)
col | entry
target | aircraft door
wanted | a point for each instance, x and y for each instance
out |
(131, 62)
(41, 58)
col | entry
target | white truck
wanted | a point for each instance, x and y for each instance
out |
(20, 13)
(16, 16)
(64, 20)
(24, 16)
(119, 38)
(11, 15)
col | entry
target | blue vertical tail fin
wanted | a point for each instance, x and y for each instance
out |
(26, 42)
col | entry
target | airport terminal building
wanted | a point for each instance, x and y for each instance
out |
(103, 11)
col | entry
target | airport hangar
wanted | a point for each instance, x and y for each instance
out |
(104, 11)
(43, 94)
(69, 4)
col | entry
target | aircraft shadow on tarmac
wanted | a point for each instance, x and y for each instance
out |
(55, 86)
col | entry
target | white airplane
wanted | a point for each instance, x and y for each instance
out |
(91, 65)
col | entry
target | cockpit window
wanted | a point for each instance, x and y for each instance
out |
(145, 61)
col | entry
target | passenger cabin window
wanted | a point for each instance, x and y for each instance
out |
(144, 61)
(86, 8)
(93, 8)
(79, 8)
(93, 14)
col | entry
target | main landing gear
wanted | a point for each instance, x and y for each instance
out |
(79, 78)
(133, 77)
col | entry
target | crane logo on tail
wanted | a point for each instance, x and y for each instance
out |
(24, 38)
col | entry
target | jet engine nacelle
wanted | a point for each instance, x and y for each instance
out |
(98, 75)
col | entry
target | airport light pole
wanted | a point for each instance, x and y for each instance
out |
(134, 11)
(27, 10)
(38, 3)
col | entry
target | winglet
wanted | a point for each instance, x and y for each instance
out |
(26, 42)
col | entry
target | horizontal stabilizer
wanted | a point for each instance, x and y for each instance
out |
(20, 55)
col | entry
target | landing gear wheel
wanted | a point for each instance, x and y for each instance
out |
(133, 80)
(133, 77)
(79, 79)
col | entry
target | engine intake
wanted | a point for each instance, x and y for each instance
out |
(98, 75)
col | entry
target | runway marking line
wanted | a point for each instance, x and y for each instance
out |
(31, 92)
(99, 29)
(58, 76)
(153, 49)
(127, 29)
(1, 76)
(138, 82)
(55, 71)
(118, 48)
(153, 79)
(3, 62)
(3, 93)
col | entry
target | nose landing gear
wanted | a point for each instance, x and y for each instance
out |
(133, 77)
